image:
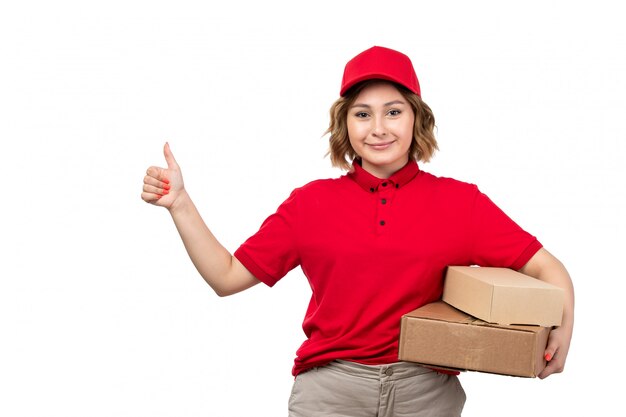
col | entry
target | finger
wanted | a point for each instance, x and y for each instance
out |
(157, 174)
(169, 156)
(555, 366)
(549, 353)
(545, 373)
(554, 361)
(150, 180)
(150, 197)
(147, 188)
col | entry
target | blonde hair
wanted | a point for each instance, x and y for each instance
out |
(340, 150)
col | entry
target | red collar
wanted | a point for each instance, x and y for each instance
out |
(371, 183)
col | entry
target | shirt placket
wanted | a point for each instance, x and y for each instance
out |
(384, 196)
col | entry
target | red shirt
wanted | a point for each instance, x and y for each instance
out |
(374, 249)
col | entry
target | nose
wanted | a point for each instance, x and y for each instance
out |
(379, 127)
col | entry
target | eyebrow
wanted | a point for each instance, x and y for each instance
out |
(367, 106)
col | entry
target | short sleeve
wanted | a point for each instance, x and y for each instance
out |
(497, 240)
(271, 252)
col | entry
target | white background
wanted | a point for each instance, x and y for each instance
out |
(102, 313)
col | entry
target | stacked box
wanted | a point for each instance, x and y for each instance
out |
(441, 336)
(490, 320)
(503, 296)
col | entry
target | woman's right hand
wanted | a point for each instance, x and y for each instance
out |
(163, 186)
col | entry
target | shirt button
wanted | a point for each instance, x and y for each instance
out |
(384, 201)
(384, 184)
(372, 189)
(382, 222)
(389, 372)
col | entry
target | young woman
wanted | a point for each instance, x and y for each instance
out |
(374, 245)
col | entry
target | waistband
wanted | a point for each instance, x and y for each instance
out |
(396, 370)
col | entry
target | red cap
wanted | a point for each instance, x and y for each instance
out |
(380, 63)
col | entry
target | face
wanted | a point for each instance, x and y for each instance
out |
(380, 129)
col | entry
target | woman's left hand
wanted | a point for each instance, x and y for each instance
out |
(556, 351)
(544, 266)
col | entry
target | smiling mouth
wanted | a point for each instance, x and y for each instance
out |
(379, 146)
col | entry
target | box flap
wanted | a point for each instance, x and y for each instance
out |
(442, 311)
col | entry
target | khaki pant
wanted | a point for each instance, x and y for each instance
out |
(403, 389)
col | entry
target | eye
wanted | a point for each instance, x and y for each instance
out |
(394, 112)
(361, 114)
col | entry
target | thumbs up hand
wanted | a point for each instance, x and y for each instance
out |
(162, 186)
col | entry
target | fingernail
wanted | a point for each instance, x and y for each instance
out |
(548, 357)
(159, 196)
(165, 192)
(165, 180)
(166, 187)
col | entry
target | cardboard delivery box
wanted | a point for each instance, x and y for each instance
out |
(503, 296)
(439, 335)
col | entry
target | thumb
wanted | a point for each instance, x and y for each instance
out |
(169, 156)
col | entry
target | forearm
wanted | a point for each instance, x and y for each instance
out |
(561, 278)
(165, 188)
(211, 259)
(546, 267)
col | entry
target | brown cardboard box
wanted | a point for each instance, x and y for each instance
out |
(439, 335)
(503, 296)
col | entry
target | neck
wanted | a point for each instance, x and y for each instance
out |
(383, 171)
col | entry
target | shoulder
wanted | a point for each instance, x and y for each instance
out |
(314, 192)
(446, 184)
(321, 186)
(312, 198)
